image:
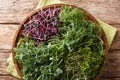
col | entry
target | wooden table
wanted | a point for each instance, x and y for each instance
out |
(12, 12)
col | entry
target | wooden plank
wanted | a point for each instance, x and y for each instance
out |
(5, 45)
(6, 36)
(7, 32)
(108, 11)
(109, 78)
(12, 78)
(3, 63)
(111, 70)
(112, 66)
(8, 78)
(116, 42)
(14, 11)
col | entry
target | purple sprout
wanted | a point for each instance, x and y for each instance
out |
(43, 25)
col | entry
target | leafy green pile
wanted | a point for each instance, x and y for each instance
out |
(76, 53)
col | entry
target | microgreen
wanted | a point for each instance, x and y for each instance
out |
(75, 52)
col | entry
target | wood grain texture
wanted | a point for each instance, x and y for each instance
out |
(105, 10)
(116, 42)
(7, 32)
(14, 11)
(9, 77)
(112, 66)
(111, 70)
(109, 78)
(3, 63)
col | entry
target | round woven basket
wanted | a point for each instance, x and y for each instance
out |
(17, 34)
